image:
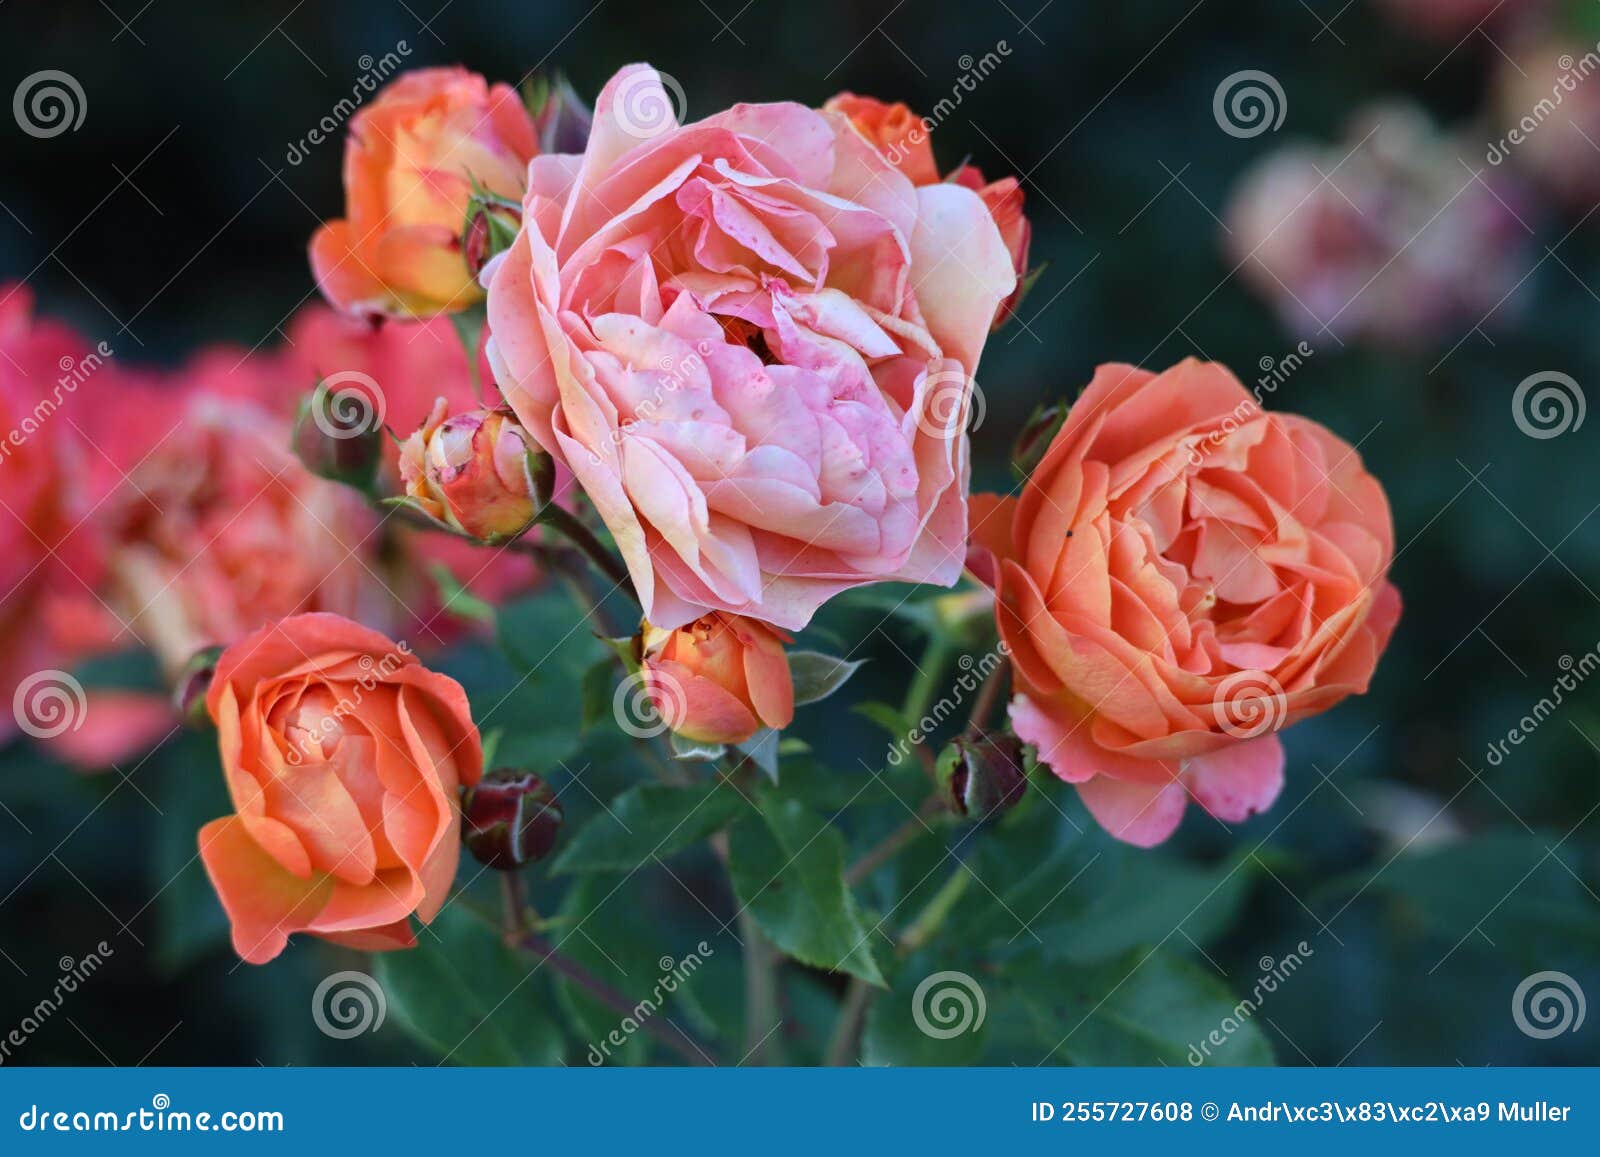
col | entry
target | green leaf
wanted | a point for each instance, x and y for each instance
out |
(189, 919)
(762, 750)
(1149, 1007)
(1148, 897)
(463, 993)
(645, 822)
(933, 1014)
(816, 676)
(788, 870)
(891, 719)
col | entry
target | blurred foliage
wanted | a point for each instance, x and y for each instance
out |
(1426, 882)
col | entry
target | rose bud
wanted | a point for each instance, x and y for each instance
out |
(983, 777)
(189, 693)
(491, 228)
(338, 434)
(560, 118)
(1003, 198)
(511, 819)
(1037, 434)
(478, 472)
(413, 160)
(720, 679)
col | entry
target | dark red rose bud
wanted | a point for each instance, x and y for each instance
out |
(189, 692)
(983, 777)
(338, 430)
(491, 227)
(1037, 434)
(510, 819)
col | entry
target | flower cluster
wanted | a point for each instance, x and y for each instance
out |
(735, 361)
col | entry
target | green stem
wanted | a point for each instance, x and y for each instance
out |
(762, 1013)
(662, 1029)
(568, 524)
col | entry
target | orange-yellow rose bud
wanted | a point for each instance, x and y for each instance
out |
(410, 163)
(720, 679)
(472, 472)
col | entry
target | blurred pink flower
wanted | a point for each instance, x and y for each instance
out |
(1547, 114)
(1387, 236)
(1454, 19)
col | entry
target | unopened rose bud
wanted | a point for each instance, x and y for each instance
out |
(510, 819)
(983, 777)
(1037, 434)
(720, 679)
(560, 117)
(477, 472)
(189, 692)
(490, 229)
(338, 434)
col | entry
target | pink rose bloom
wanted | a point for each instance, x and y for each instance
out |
(751, 338)
(1441, 19)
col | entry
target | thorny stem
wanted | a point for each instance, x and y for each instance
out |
(895, 842)
(584, 539)
(662, 1029)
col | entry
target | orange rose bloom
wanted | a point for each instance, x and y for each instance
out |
(896, 131)
(344, 756)
(409, 164)
(1182, 576)
(720, 679)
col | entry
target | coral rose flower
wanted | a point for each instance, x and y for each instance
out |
(751, 338)
(409, 165)
(344, 756)
(720, 679)
(1182, 576)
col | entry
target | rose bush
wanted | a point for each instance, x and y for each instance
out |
(1183, 575)
(751, 339)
